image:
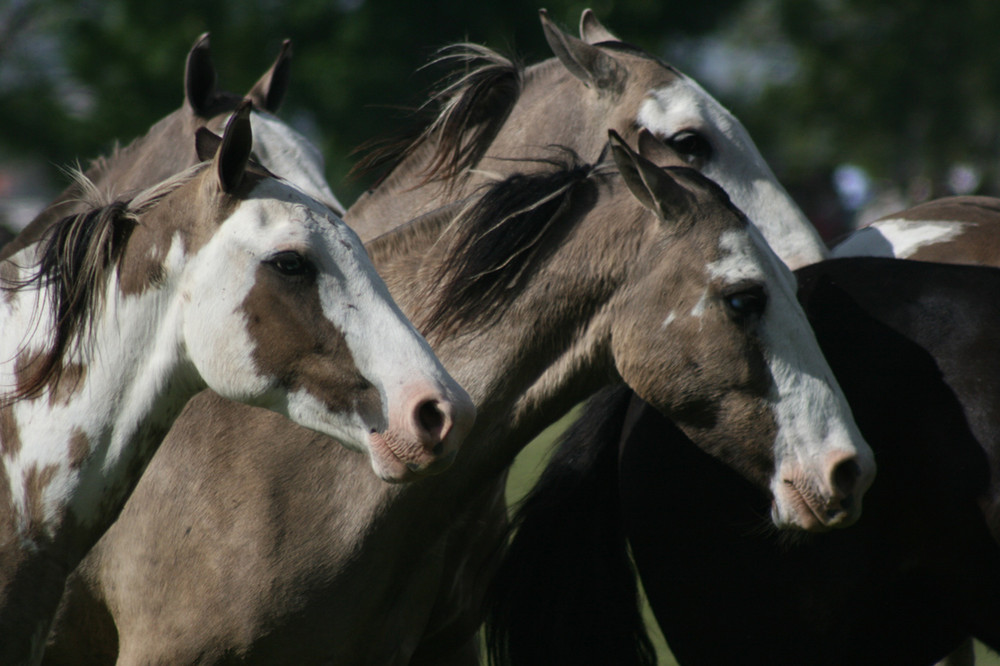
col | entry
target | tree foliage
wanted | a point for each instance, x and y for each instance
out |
(905, 88)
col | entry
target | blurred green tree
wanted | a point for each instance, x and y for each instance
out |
(77, 75)
(907, 89)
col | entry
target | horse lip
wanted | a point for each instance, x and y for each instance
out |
(801, 501)
(387, 447)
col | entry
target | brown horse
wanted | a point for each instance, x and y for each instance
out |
(167, 148)
(495, 113)
(222, 276)
(952, 230)
(535, 293)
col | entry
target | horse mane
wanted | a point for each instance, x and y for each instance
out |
(73, 261)
(566, 589)
(497, 237)
(475, 102)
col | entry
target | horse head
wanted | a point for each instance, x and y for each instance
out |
(712, 335)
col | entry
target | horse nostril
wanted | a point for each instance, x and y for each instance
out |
(845, 477)
(432, 420)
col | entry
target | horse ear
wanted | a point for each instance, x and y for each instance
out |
(269, 92)
(652, 186)
(234, 150)
(657, 151)
(591, 30)
(584, 61)
(199, 76)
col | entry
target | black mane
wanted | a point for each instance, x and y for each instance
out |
(494, 241)
(475, 102)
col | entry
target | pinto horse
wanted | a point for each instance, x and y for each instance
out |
(167, 149)
(911, 344)
(224, 277)
(534, 293)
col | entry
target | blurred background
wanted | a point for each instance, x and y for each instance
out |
(861, 106)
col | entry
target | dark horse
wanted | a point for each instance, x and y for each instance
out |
(914, 346)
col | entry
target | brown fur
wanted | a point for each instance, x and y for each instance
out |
(508, 113)
(10, 438)
(979, 240)
(321, 362)
(253, 539)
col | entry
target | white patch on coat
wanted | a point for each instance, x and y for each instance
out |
(897, 238)
(699, 308)
(736, 165)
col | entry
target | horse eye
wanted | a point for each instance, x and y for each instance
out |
(291, 264)
(746, 303)
(693, 146)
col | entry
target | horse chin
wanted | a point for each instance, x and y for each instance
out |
(397, 460)
(797, 507)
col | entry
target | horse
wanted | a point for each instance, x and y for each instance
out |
(554, 283)
(167, 149)
(954, 230)
(910, 343)
(222, 276)
(495, 112)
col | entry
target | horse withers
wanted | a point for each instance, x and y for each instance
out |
(222, 276)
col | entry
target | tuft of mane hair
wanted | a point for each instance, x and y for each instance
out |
(498, 237)
(474, 101)
(73, 262)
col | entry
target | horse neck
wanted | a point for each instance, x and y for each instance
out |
(528, 367)
(531, 131)
(77, 448)
(554, 110)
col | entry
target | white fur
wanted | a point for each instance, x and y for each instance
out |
(897, 238)
(812, 415)
(736, 165)
(150, 352)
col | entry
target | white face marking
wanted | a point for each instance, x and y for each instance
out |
(736, 165)
(671, 318)
(702, 304)
(897, 238)
(813, 418)
(385, 346)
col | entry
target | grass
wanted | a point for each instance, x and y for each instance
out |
(530, 463)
